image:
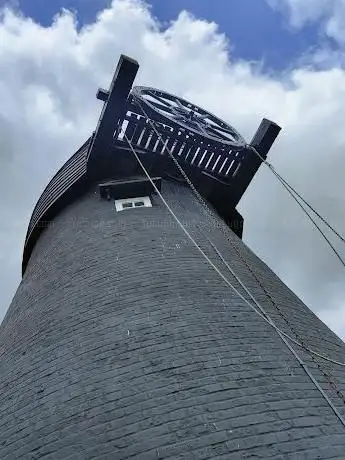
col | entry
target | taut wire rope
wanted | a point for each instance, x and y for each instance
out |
(265, 317)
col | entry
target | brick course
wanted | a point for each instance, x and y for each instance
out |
(122, 342)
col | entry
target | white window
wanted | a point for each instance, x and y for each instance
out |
(129, 203)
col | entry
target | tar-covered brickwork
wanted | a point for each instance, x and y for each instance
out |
(122, 342)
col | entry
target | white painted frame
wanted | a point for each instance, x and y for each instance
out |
(120, 205)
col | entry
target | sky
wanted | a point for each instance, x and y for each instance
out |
(243, 60)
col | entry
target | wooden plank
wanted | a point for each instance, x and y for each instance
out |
(262, 141)
(114, 107)
(265, 136)
(76, 163)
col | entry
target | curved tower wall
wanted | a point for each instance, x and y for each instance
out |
(122, 342)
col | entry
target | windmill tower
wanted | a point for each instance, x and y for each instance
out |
(143, 327)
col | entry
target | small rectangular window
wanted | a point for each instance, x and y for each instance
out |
(129, 203)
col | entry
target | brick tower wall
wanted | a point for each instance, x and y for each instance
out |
(122, 342)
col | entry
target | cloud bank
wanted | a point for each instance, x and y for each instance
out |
(330, 13)
(48, 80)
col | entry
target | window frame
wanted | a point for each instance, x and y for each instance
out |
(120, 204)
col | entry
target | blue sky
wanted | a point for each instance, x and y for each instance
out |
(257, 31)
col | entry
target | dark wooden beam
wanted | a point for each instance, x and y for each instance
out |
(265, 136)
(113, 110)
(262, 141)
(102, 94)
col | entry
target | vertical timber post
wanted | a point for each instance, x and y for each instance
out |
(113, 110)
(262, 141)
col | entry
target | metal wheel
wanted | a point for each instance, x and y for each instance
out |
(170, 109)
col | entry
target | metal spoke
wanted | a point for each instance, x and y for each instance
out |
(161, 100)
(212, 131)
(179, 103)
(161, 107)
(178, 117)
(202, 128)
(203, 116)
(223, 130)
(164, 107)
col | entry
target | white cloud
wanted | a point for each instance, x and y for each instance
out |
(331, 13)
(48, 80)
